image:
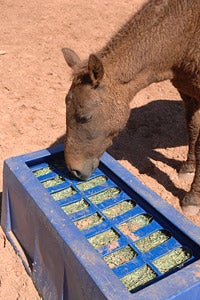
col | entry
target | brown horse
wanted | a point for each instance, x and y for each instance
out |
(161, 41)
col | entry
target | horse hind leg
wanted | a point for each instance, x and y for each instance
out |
(191, 202)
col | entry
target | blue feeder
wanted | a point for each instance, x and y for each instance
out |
(108, 238)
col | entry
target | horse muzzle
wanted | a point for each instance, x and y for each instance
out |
(82, 170)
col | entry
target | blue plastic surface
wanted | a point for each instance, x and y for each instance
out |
(56, 248)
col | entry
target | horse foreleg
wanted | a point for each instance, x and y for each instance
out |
(192, 117)
(191, 201)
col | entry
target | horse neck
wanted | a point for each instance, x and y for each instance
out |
(152, 42)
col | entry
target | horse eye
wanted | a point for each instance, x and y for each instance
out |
(84, 119)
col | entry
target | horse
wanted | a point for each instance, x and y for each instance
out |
(160, 42)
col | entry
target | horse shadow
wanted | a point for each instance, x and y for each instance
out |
(158, 124)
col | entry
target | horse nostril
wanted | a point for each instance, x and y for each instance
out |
(76, 173)
(80, 175)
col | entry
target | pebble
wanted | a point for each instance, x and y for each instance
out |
(2, 52)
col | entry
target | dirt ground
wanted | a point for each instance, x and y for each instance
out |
(33, 82)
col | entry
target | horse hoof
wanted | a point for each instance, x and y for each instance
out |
(191, 209)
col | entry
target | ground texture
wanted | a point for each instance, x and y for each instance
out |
(33, 82)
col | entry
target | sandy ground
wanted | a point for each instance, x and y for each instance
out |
(33, 82)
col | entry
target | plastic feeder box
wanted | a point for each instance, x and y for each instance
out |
(108, 238)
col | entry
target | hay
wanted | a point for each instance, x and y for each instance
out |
(120, 257)
(119, 209)
(63, 193)
(53, 182)
(139, 277)
(42, 171)
(103, 238)
(88, 222)
(105, 195)
(135, 223)
(173, 259)
(92, 183)
(153, 240)
(76, 206)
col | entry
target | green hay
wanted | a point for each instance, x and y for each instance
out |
(107, 194)
(138, 277)
(174, 258)
(42, 172)
(136, 223)
(63, 193)
(120, 257)
(88, 222)
(92, 183)
(76, 206)
(153, 240)
(52, 182)
(119, 209)
(103, 238)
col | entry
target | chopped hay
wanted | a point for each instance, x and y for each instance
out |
(138, 277)
(153, 240)
(120, 257)
(42, 171)
(92, 183)
(119, 209)
(63, 193)
(174, 258)
(105, 195)
(103, 238)
(136, 223)
(88, 222)
(52, 182)
(76, 206)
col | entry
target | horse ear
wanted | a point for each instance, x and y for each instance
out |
(95, 68)
(71, 58)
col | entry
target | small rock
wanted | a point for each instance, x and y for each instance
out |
(2, 52)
